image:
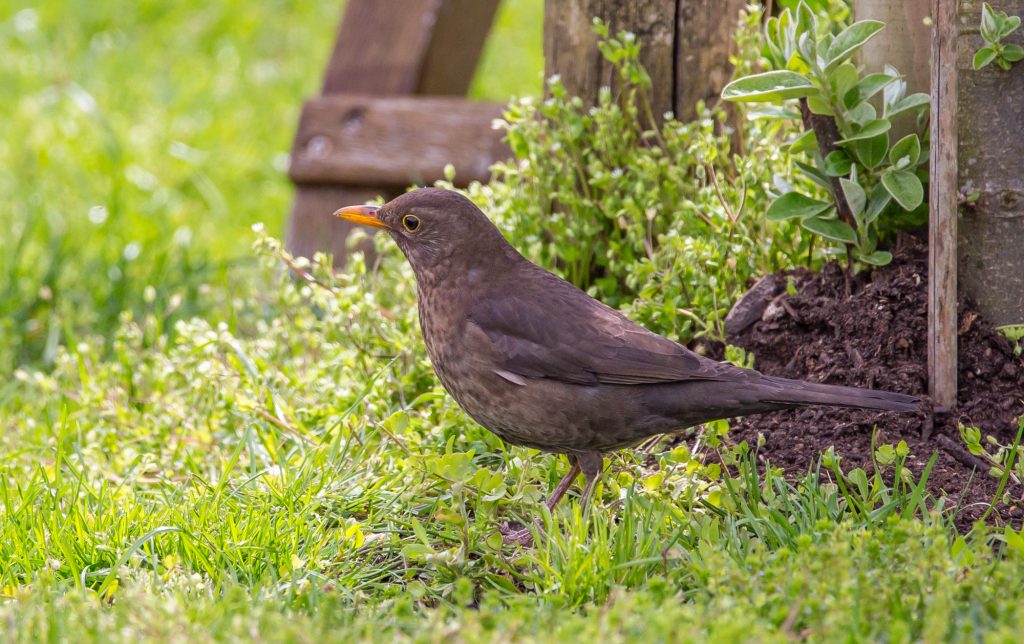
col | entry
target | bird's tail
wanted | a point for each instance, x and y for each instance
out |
(787, 392)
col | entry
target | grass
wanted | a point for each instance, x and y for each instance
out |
(307, 478)
(194, 447)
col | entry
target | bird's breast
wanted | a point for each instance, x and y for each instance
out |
(442, 321)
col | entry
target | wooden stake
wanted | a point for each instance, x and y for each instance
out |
(942, 246)
(385, 48)
(684, 46)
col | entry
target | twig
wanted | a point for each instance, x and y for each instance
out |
(959, 453)
(295, 268)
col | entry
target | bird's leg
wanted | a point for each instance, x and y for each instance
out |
(523, 536)
(563, 485)
(591, 463)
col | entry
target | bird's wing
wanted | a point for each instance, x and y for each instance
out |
(565, 335)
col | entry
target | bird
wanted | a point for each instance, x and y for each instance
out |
(541, 364)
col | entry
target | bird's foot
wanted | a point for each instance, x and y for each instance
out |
(515, 534)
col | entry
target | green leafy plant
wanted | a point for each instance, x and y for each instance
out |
(995, 26)
(872, 185)
(838, 11)
(1006, 456)
(639, 211)
(870, 495)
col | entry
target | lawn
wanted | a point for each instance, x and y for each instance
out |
(194, 446)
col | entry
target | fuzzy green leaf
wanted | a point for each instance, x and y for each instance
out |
(911, 102)
(869, 130)
(772, 112)
(877, 202)
(905, 188)
(863, 113)
(843, 78)
(849, 41)
(906, 152)
(1013, 52)
(866, 88)
(814, 174)
(894, 91)
(769, 86)
(983, 57)
(989, 23)
(871, 152)
(837, 164)
(1009, 25)
(794, 204)
(832, 229)
(877, 258)
(805, 44)
(818, 105)
(806, 21)
(856, 198)
(806, 142)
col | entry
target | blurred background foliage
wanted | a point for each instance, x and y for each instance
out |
(139, 142)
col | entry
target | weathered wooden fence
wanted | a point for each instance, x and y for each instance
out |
(392, 112)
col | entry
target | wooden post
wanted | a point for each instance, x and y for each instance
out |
(905, 43)
(705, 35)
(990, 120)
(385, 48)
(942, 222)
(685, 47)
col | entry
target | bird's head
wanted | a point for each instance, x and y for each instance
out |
(433, 227)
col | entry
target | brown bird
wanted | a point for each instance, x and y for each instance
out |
(540, 363)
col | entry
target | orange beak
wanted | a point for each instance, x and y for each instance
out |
(365, 215)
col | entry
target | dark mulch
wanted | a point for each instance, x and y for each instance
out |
(877, 338)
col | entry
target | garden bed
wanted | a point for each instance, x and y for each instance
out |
(877, 338)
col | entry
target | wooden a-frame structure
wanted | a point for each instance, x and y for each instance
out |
(392, 112)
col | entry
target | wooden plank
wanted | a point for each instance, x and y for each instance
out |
(570, 45)
(408, 46)
(705, 36)
(395, 141)
(387, 47)
(458, 38)
(381, 46)
(905, 43)
(942, 224)
(684, 46)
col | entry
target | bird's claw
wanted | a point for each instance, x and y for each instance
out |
(515, 536)
(518, 538)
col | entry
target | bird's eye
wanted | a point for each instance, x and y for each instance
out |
(411, 223)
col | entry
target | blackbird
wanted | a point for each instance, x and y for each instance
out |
(540, 363)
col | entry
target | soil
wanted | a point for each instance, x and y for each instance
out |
(876, 338)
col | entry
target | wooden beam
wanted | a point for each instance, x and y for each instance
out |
(705, 37)
(395, 141)
(387, 48)
(684, 46)
(943, 200)
(459, 34)
(570, 45)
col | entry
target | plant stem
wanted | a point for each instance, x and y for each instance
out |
(827, 133)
